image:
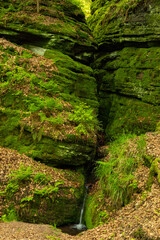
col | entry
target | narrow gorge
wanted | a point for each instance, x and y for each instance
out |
(80, 106)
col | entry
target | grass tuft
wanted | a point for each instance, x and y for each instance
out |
(116, 172)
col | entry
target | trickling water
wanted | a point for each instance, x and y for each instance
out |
(35, 49)
(82, 209)
(81, 226)
(77, 228)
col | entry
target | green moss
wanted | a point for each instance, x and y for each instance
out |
(154, 171)
(158, 126)
(32, 140)
(127, 115)
(116, 179)
(128, 90)
(90, 212)
(25, 18)
(42, 104)
(133, 72)
(112, 21)
(108, 16)
(68, 79)
(95, 213)
(33, 144)
(45, 202)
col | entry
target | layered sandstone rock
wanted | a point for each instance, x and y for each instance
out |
(127, 64)
(48, 100)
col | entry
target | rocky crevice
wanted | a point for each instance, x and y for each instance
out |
(50, 111)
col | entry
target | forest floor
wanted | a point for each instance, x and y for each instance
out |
(138, 220)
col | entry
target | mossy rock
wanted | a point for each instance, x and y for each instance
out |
(80, 76)
(58, 26)
(36, 144)
(43, 148)
(126, 64)
(60, 30)
(95, 212)
(127, 115)
(37, 193)
(125, 21)
(131, 71)
(128, 90)
(44, 108)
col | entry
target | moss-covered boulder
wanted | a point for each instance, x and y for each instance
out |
(59, 25)
(48, 100)
(127, 64)
(34, 192)
(41, 113)
(125, 21)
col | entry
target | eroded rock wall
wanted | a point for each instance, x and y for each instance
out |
(48, 110)
(127, 64)
(48, 101)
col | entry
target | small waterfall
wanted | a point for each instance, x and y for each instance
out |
(77, 228)
(81, 226)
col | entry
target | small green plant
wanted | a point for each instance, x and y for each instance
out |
(139, 234)
(54, 227)
(2, 193)
(11, 188)
(26, 54)
(22, 174)
(154, 171)
(158, 127)
(41, 178)
(17, 178)
(111, 237)
(103, 216)
(27, 199)
(9, 216)
(144, 195)
(46, 191)
(53, 237)
(85, 119)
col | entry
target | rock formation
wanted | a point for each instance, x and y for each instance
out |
(127, 64)
(50, 97)
(33, 192)
(48, 107)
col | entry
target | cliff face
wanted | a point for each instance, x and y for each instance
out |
(48, 109)
(127, 69)
(47, 102)
(49, 105)
(127, 64)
